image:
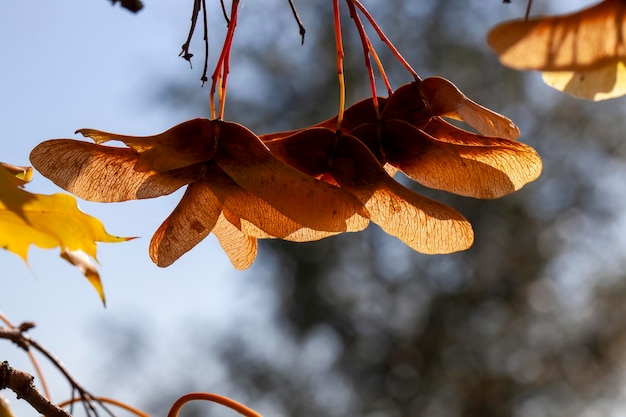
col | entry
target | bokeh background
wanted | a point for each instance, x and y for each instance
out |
(531, 321)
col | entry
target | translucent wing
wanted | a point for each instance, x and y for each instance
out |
(563, 43)
(185, 144)
(191, 221)
(240, 248)
(304, 199)
(102, 173)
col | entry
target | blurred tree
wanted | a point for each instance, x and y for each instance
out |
(525, 323)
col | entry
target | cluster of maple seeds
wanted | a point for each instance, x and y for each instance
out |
(311, 183)
(307, 184)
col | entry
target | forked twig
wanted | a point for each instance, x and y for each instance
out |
(17, 335)
(22, 385)
(298, 21)
(184, 53)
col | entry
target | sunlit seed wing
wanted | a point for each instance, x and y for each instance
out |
(191, 221)
(423, 224)
(306, 200)
(186, 144)
(102, 173)
(445, 99)
(463, 163)
(240, 248)
(598, 83)
(254, 216)
(563, 43)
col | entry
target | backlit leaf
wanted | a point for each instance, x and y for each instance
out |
(48, 221)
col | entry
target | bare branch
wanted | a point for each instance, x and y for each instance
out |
(22, 384)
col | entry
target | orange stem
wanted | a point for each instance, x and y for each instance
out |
(384, 38)
(33, 360)
(366, 44)
(111, 401)
(340, 55)
(225, 401)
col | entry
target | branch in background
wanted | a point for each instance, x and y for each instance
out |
(22, 384)
(17, 336)
(132, 5)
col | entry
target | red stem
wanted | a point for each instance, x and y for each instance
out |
(222, 67)
(385, 39)
(340, 55)
(365, 43)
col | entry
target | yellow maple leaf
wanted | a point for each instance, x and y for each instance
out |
(48, 221)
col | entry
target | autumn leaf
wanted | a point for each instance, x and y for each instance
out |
(49, 221)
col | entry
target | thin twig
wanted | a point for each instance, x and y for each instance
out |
(17, 336)
(33, 360)
(298, 21)
(206, 44)
(194, 18)
(528, 6)
(224, 12)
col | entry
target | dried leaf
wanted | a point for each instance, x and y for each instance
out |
(102, 173)
(81, 260)
(572, 42)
